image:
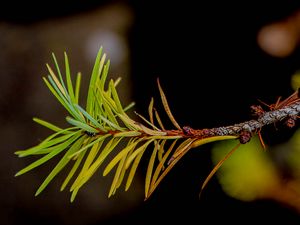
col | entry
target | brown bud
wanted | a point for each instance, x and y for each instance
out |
(244, 137)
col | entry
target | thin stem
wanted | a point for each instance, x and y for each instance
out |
(251, 126)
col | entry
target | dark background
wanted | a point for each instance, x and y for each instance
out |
(211, 69)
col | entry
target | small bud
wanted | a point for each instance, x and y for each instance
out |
(244, 137)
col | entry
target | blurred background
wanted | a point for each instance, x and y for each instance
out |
(214, 60)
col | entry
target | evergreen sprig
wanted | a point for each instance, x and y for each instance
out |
(103, 127)
(96, 130)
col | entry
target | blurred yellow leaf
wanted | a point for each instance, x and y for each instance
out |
(295, 82)
(248, 173)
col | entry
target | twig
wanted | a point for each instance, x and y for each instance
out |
(246, 129)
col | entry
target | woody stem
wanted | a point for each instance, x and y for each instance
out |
(266, 119)
(245, 129)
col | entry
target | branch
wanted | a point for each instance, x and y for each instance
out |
(246, 129)
(287, 109)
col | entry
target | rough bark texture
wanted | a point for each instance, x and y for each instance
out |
(245, 130)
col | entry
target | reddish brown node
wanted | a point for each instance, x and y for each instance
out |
(188, 131)
(290, 122)
(206, 132)
(245, 136)
(257, 110)
(203, 133)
